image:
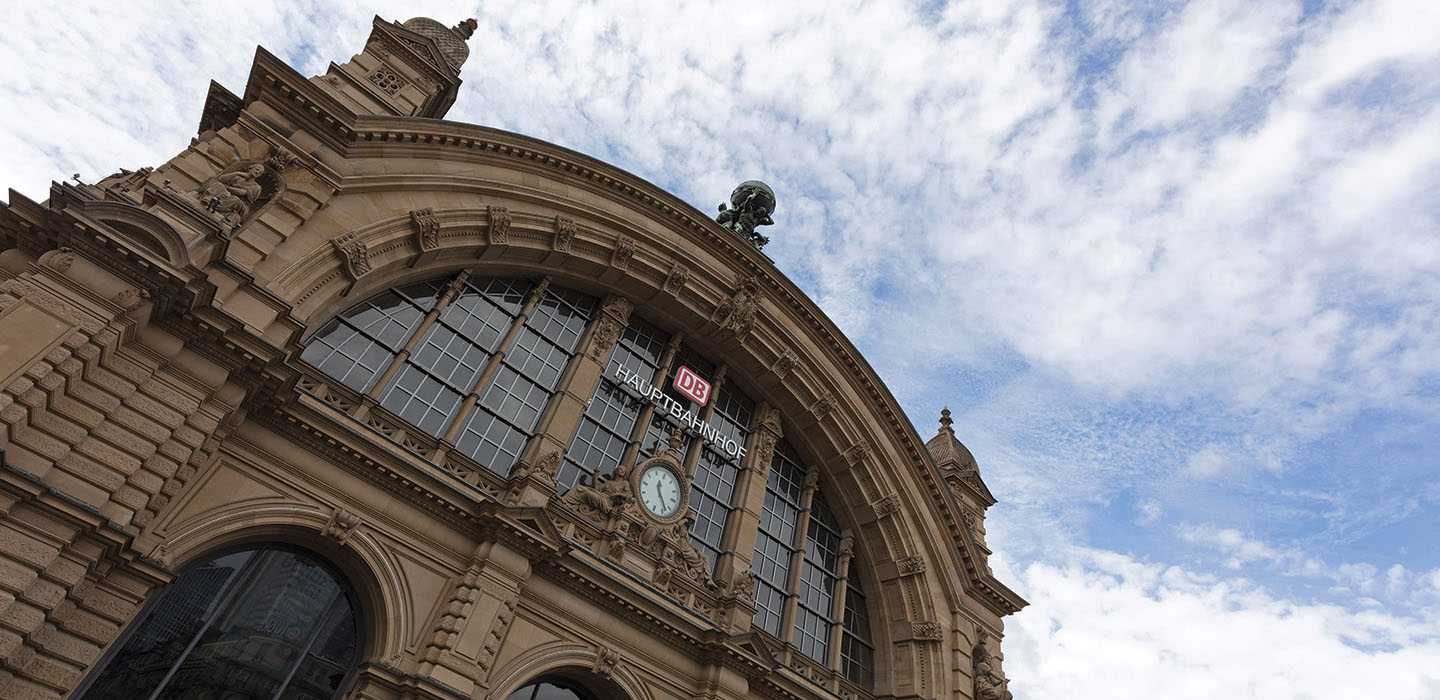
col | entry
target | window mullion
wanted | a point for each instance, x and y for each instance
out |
(452, 289)
(837, 604)
(467, 404)
(797, 553)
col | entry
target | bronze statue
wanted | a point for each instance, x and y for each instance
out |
(753, 202)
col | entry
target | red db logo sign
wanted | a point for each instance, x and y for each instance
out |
(690, 384)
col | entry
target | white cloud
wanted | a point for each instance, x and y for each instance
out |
(1103, 625)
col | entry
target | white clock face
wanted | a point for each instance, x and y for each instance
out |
(660, 491)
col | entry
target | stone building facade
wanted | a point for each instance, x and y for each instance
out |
(348, 401)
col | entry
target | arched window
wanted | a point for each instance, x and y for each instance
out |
(552, 689)
(259, 624)
(805, 584)
(471, 360)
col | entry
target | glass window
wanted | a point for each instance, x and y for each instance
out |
(359, 344)
(857, 656)
(817, 581)
(552, 689)
(610, 417)
(260, 624)
(774, 543)
(439, 376)
(529, 372)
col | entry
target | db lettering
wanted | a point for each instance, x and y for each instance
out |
(690, 384)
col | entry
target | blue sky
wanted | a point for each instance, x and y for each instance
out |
(1174, 266)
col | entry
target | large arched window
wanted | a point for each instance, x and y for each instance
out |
(258, 624)
(471, 360)
(807, 591)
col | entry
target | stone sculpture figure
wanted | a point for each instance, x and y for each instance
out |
(608, 498)
(751, 204)
(990, 681)
(691, 561)
(232, 194)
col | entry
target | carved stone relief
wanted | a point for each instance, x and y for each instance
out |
(990, 681)
(58, 260)
(613, 317)
(928, 630)
(564, 234)
(499, 226)
(783, 364)
(676, 279)
(341, 525)
(231, 196)
(353, 254)
(427, 228)
(624, 250)
(737, 314)
(386, 78)
(888, 505)
(822, 406)
(857, 453)
(606, 659)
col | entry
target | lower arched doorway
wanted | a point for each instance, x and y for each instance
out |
(262, 623)
(552, 688)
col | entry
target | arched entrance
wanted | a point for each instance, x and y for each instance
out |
(263, 623)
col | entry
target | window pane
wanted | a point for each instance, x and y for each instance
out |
(157, 644)
(421, 399)
(857, 657)
(238, 627)
(328, 661)
(250, 648)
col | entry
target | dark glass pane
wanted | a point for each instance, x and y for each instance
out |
(812, 633)
(857, 656)
(250, 648)
(770, 605)
(490, 441)
(423, 294)
(236, 627)
(157, 644)
(639, 349)
(328, 661)
(481, 318)
(347, 355)
(388, 318)
(561, 316)
(515, 397)
(551, 690)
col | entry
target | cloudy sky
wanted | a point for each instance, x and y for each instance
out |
(1175, 267)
